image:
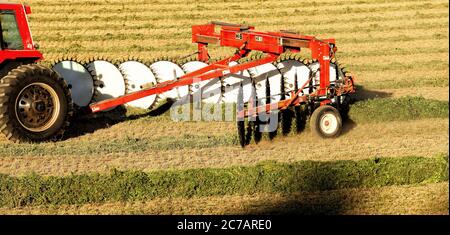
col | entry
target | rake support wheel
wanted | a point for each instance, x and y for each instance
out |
(326, 122)
(35, 104)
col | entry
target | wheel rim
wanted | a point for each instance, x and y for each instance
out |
(328, 123)
(37, 107)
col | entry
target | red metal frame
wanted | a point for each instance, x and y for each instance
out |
(29, 52)
(246, 39)
(295, 100)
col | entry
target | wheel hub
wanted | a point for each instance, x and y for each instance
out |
(37, 107)
(328, 123)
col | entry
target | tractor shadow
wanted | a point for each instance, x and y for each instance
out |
(315, 194)
(82, 124)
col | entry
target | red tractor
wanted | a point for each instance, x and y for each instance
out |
(35, 102)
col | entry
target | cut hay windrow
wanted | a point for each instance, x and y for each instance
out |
(268, 177)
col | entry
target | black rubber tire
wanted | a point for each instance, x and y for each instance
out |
(344, 108)
(274, 133)
(286, 121)
(240, 122)
(8, 66)
(300, 118)
(241, 132)
(249, 131)
(10, 87)
(257, 134)
(317, 116)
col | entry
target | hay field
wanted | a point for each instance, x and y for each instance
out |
(394, 48)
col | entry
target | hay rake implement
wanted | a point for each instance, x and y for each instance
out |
(325, 96)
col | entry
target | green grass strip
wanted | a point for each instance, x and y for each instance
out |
(120, 145)
(267, 177)
(404, 108)
(413, 82)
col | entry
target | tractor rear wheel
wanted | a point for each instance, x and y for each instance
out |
(326, 122)
(35, 104)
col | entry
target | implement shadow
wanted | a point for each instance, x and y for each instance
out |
(365, 94)
(348, 126)
(83, 124)
(362, 94)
